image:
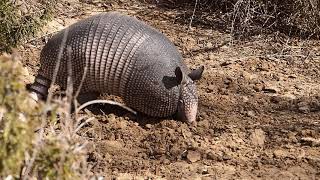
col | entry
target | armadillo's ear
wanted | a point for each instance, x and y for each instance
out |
(196, 74)
(179, 75)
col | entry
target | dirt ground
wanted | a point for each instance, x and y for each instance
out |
(259, 106)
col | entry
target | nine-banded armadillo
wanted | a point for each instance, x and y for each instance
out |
(124, 57)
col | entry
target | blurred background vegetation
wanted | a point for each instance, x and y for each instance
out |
(243, 18)
(21, 19)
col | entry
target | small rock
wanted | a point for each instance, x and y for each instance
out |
(204, 124)
(209, 45)
(258, 137)
(292, 76)
(124, 176)
(270, 88)
(111, 118)
(212, 56)
(248, 76)
(258, 87)
(292, 137)
(226, 157)
(148, 126)
(193, 156)
(217, 156)
(279, 153)
(290, 96)
(203, 170)
(211, 88)
(298, 87)
(250, 114)
(121, 125)
(245, 99)
(225, 63)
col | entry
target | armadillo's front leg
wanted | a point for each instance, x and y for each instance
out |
(39, 89)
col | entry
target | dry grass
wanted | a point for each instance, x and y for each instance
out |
(243, 18)
(21, 19)
(37, 139)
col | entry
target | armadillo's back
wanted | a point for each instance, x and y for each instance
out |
(123, 56)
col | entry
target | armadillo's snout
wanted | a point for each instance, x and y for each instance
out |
(188, 103)
(190, 112)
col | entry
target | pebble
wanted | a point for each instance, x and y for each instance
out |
(270, 88)
(225, 63)
(290, 96)
(193, 156)
(279, 153)
(258, 137)
(149, 126)
(251, 114)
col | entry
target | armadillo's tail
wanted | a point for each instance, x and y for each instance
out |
(39, 89)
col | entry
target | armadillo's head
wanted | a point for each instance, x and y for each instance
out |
(188, 99)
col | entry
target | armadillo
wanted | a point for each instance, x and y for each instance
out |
(120, 55)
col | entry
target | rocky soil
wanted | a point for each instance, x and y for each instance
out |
(259, 111)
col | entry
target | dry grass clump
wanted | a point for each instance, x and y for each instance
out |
(248, 17)
(37, 140)
(21, 19)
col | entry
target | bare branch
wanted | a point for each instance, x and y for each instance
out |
(106, 102)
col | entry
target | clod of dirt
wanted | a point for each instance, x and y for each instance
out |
(258, 137)
(215, 155)
(249, 76)
(149, 126)
(270, 88)
(121, 125)
(250, 114)
(290, 96)
(193, 156)
(293, 76)
(292, 137)
(280, 153)
(226, 63)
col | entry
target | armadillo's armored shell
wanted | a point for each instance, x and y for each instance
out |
(123, 57)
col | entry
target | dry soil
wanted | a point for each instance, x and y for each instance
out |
(259, 106)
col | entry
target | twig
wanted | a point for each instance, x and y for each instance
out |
(106, 102)
(69, 92)
(84, 123)
(206, 49)
(56, 70)
(80, 86)
(193, 13)
(69, 89)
